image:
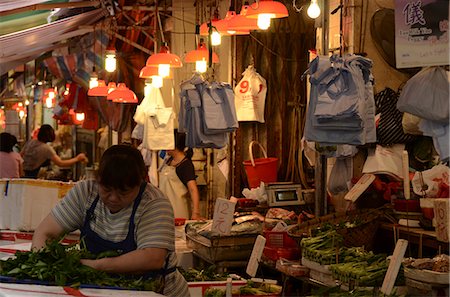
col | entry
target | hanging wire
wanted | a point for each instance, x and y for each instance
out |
(160, 27)
(184, 27)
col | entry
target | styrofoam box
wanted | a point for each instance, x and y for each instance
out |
(24, 203)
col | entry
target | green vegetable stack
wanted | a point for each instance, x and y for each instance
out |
(60, 265)
(208, 274)
(323, 248)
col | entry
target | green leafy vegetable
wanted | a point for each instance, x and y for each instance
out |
(60, 265)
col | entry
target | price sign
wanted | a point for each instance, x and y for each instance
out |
(255, 257)
(441, 214)
(223, 216)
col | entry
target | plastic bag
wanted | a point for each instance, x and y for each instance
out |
(340, 176)
(426, 95)
(410, 124)
(250, 96)
(432, 182)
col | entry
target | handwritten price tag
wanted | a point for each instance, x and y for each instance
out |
(223, 216)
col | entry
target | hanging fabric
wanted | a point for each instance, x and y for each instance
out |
(341, 106)
(389, 125)
(207, 113)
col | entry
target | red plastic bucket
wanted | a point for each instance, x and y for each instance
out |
(260, 169)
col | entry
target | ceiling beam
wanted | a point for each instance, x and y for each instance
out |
(49, 6)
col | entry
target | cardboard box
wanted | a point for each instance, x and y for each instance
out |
(24, 203)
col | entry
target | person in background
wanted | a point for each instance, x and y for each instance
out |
(37, 153)
(119, 211)
(10, 161)
(177, 180)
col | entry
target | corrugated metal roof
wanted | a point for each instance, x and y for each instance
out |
(20, 47)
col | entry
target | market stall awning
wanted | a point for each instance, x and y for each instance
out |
(20, 47)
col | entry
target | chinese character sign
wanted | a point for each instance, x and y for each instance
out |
(223, 216)
(421, 33)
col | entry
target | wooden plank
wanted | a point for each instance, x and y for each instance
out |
(394, 266)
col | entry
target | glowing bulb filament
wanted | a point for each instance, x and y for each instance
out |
(21, 113)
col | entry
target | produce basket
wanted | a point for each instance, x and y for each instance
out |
(358, 227)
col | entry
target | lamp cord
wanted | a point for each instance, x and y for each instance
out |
(159, 22)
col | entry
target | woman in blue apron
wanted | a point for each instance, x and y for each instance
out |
(119, 211)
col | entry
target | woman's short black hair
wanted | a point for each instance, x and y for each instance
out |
(46, 133)
(7, 142)
(180, 144)
(121, 167)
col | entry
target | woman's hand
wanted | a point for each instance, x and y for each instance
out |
(91, 263)
(82, 158)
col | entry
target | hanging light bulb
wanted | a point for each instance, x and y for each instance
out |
(93, 82)
(21, 114)
(79, 116)
(110, 61)
(48, 102)
(313, 9)
(201, 66)
(51, 94)
(264, 20)
(216, 38)
(265, 10)
(27, 102)
(164, 60)
(164, 70)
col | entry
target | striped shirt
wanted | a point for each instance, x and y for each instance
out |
(154, 222)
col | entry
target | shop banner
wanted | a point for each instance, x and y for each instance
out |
(421, 33)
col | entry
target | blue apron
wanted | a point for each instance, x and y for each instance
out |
(96, 244)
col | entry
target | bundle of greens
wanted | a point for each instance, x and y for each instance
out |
(60, 265)
(323, 248)
(208, 274)
(362, 268)
(250, 289)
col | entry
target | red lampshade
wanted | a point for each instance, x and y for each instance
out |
(276, 8)
(242, 22)
(201, 53)
(122, 94)
(164, 57)
(149, 71)
(100, 90)
(222, 26)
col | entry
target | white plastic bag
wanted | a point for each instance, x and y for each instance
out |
(410, 124)
(426, 95)
(427, 182)
(250, 96)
